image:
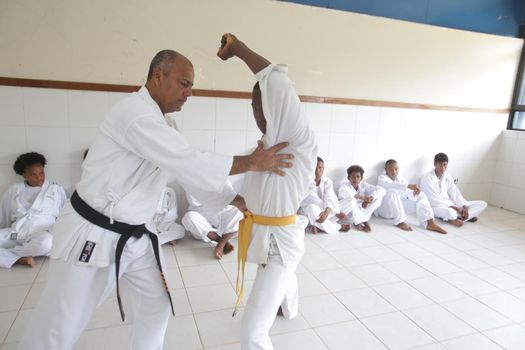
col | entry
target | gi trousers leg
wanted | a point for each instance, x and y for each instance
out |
(329, 226)
(73, 292)
(392, 208)
(38, 244)
(268, 292)
(198, 225)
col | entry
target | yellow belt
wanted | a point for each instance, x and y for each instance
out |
(245, 230)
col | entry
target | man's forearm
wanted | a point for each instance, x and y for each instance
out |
(253, 60)
(241, 164)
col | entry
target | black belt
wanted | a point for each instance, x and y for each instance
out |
(126, 231)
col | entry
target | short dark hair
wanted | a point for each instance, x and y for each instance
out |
(163, 59)
(319, 159)
(440, 158)
(390, 161)
(28, 159)
(355, 169)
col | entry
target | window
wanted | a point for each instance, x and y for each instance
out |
(517, 110)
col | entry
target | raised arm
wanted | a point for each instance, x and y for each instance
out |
(231, 46)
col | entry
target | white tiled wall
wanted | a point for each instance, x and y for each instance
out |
(509, 180)
(62, 123)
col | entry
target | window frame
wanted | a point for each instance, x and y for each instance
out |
(515, 106)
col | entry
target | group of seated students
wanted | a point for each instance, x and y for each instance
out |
(30, 208)
(392, 198)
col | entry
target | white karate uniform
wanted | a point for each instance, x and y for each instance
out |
(353, 207)
(399, 200)
(443, 193)
(165, 217)
(272, 195)
(318, 199)
(27, 215)
(200, 220)
(133, 158)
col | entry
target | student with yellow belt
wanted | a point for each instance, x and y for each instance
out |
(271, 235)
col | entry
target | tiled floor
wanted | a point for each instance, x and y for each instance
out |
(385, 290)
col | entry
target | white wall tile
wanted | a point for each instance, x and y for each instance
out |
(498, 195)
(515, 201)
(390, 122)
(519, 152)
(320, 116)
(13, 143)
(59, 173)
(508, 147)
(367, 119)
(51, 142)
(12, 110)
(344, 118)
(7, 176)
(230, 142)
(198, 114)
(231, 114)
(341, 146)
(87, 108)
(114, 97)
(80, 140)
(251, 140)
(45, 107)
(517, 175)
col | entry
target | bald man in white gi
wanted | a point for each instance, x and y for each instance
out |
(277, 248)
(445, 197)
(168, 229)
(212, 226)
(321, 204)
(105, 234)
(402, 198)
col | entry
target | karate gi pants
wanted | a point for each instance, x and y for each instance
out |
(73, 292)
(38, 244)
(358, 214)
(275, 285)
(330, 225)
(174, 233)
(474, 209)
(227, 221)
(395, 207)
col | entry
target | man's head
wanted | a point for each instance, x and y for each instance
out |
(31, 167)
(440, 164)
(392, 168)
(355, 175)
(258, 114)
(170, 79)
(319, 169)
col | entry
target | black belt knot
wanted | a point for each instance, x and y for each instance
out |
(126, 231)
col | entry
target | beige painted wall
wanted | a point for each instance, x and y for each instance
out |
(330, 53)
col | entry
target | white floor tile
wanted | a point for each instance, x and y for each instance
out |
(406, 270)
(338, 280)
(111, 338)
(17, 275)
(33, 295)
(396, 331)
(505, 304)
(321, 310)
(516, 270)
(437, 289)
(476, 314)
(402, 295)
(410, 250)
(471, 342)
(182, 333)
(19, 326)
(352, 258)
(469, 283)
(436, 265)
(489, 257)
(364, 302)
(349, 335)
(203, 275)
(435, 346)
(309, 285)
(519, 293)
(303, 340)
(374, 274)
(219, 327)
(464, 261)
(282, 325)
(438, 322)
(510, 337)
(13, 297)
(319, 261)
(381, 254)
(6, 321)
(194, 257)
(230, 268)
(107, 315)
(212, 298)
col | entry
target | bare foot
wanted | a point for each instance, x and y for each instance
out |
(280, 311)
(345, 228)
(223, 246)
(404, 226)
(432, 226)
(360, 227)
(474, 219)
(315, 229)
(457, 222)
(367, 227)
(173, 242)
(26, 260)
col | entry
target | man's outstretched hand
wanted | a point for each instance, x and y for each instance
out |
(268, 159)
